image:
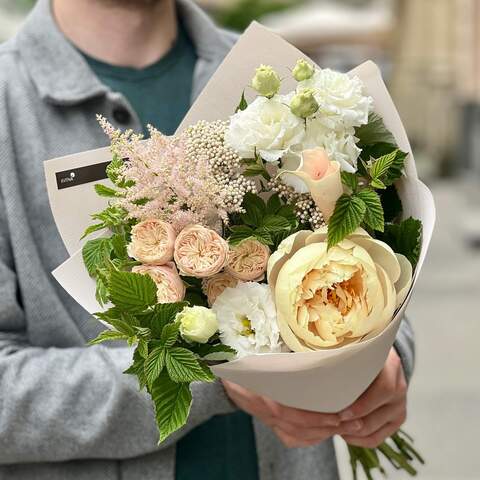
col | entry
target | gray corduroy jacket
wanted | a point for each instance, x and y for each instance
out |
(66, 411)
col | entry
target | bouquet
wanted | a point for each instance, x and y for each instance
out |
(274, 236)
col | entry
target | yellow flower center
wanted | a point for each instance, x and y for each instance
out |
(247, 326)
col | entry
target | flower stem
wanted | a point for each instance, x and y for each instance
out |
(398, 450)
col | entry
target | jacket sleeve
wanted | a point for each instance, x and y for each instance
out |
(405, 347)
(59, 404)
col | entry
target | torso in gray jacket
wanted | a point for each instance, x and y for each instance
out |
(67, 411)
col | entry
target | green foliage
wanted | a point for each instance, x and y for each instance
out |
(350, 180)
(218, 352)
(243, 103)
(404, 238)
(183, 366)
(172, 404)
(391, 203)
(154, 364)
(104, 191)
(269, 222)
(348, 215)
(92, 228)
(374, 211)
(132, 292)
(108, 335)
(96, 254)
(374, 132)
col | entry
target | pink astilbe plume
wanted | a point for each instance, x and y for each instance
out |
(170, 181)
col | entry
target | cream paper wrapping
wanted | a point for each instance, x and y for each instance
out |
(327, 380)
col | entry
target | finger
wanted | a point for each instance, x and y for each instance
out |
(310, 434)
(291, 441)
(373, 422)
(302, 418)
(375, 439)
(379, 393)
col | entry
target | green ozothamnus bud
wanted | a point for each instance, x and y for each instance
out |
(266, 81)
(303, 104)
(303, 70)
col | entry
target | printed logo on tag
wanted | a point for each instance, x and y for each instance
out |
(81, 175)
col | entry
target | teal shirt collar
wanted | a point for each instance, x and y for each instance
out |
(67, 79)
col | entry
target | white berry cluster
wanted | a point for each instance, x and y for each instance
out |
(305, 209)
(207, 140)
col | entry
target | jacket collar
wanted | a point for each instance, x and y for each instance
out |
(61, 74)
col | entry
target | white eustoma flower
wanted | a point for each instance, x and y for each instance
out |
(343, 103)
(340, 144)
(266, 126)
(247, 319)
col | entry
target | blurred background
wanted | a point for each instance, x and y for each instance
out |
(429, 52)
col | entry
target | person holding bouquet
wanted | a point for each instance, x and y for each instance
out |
(66, 411)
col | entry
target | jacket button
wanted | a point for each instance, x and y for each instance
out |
(121, 115)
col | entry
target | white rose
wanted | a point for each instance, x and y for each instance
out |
(266, 126)
(197, 324)
(339, 144)
(247, 319)
(342, 101)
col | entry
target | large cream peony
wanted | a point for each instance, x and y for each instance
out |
(329, 297)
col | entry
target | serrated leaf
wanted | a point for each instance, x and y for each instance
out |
(378, 184)
(91, 229)
(119, 245)
(101, 290)
(404, 238)
(96, 254)
(255, 209)
(263, 235)
(137, 369)
(243, 103)
(142, 348)
(122, 327)
(104, 191)
(255, 170)
(373, 132)
(274, 204)
(172, 404)
(108, 335)
(183, 366)
(374, 211)
(112, 216)
(154, 364)
(381, 165)
(113, 168)
(132, 292)
(350, 180)
(347, 216)
(217, 352)
(239, 233)
(161, 315)
(275, 223)
(169, 334)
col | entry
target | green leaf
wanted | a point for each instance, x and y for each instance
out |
(404, 238)
(108, 335)
(169, 334)
(254, 171)
(96, 253)
(122, 327)
(381, 165)
(255, 209)
(101, 288)
(142, 348)
(161, 315)
(347, 216)
(378, 184)
(119, 245)
(104, 191)
(183, 366)
(374, 211)
(263, 235)
(113, 168)
(172, 404)
(216, 353)
(243, 103)
(275, 223)
(132, 292)
(396, 170)
(374, 131)
(137, 368)
(112, 216)
(350, 180)
(391, 203)
(274, 204)
(154, 364)
(92, 228)
(239, 233)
